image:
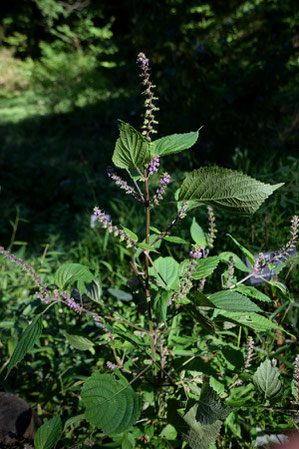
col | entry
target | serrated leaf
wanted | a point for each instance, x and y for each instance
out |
(205, 267)
(174, 143)
(111, 404)
(94, 290)
(29, 338)
(68, 273)
(266, 379)
(233, 301)
(250, 319)
(252, 292)
(131, 150)
(244, 250)
(120, 294)
(48, 434)
(225, 257)
(226, 189)
(168, 268)
(79, 341)
(197, 234)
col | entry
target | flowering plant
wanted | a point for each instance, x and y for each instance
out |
(161, 378)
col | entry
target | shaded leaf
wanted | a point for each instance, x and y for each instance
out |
(226, 189)
(111, 404)
(29, 338)
(68, 273)
(94, 290)
(48, 434)
(120, 294)
(131, 150)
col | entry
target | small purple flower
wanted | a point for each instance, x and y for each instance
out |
(154, 164)
(165, 179)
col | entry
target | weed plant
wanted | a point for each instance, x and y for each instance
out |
(161, 342)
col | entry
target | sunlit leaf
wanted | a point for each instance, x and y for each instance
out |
(174, 143)
(266, 379)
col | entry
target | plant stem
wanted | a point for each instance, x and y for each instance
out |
(147, 289)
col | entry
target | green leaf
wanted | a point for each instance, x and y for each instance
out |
(29, 338)
(131, 234)
(147, 247)
(233, 301)
(175, 239)
(174, 143)
(73, 420)
(79, 341)
(68, 273)
(94, 290)
(152, 238)
(197, 234)
(111, 404)
(252, 292)
(244, 250)
(250, 319)
(131, 150)
(225, 257)
(266, 379)
(168, 269)
(120, 294)
(48, 434)
(205, 420)
(205, 267)
(161, 304)
(226, 189)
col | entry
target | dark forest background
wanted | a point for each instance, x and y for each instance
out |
(68, 72)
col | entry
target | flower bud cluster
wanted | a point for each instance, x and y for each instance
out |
(212, 227)
(107, 224)
(197, 252)
(150, 108)
(164, 181)
(154, 164)
(123, 184)
(250, 345)
(186, 281)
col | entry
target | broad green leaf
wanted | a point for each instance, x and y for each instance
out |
(168, 268)
(197, 233)
(120, 294)
(174, 143)
(250, 319)
(169, 432)
(111, 404)
(79, 341)
(131, 150)
(48, 434)
(161, 304)
(244, 250)
(226, 189)
(252, 292)
(68, 273)
(94, 290)
(225, 257)
(29, 338)
(233, 301)
(205, 420)
(205, 267)
(175, 239)
(266, 379)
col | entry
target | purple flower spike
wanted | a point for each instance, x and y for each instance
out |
(154, 165)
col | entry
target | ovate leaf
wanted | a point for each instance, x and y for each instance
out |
(233, 301)
(94, 290)
(225, 257)
(120, 294)
(79, 341)
(111, 403)
(29, 338)
(48, 434)
(197, 234)
(131, 150)
(226, 189)
(174, 143)
(250, 319)
(168, 269)
(266, 379)
(205, 267)
(68, 273)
